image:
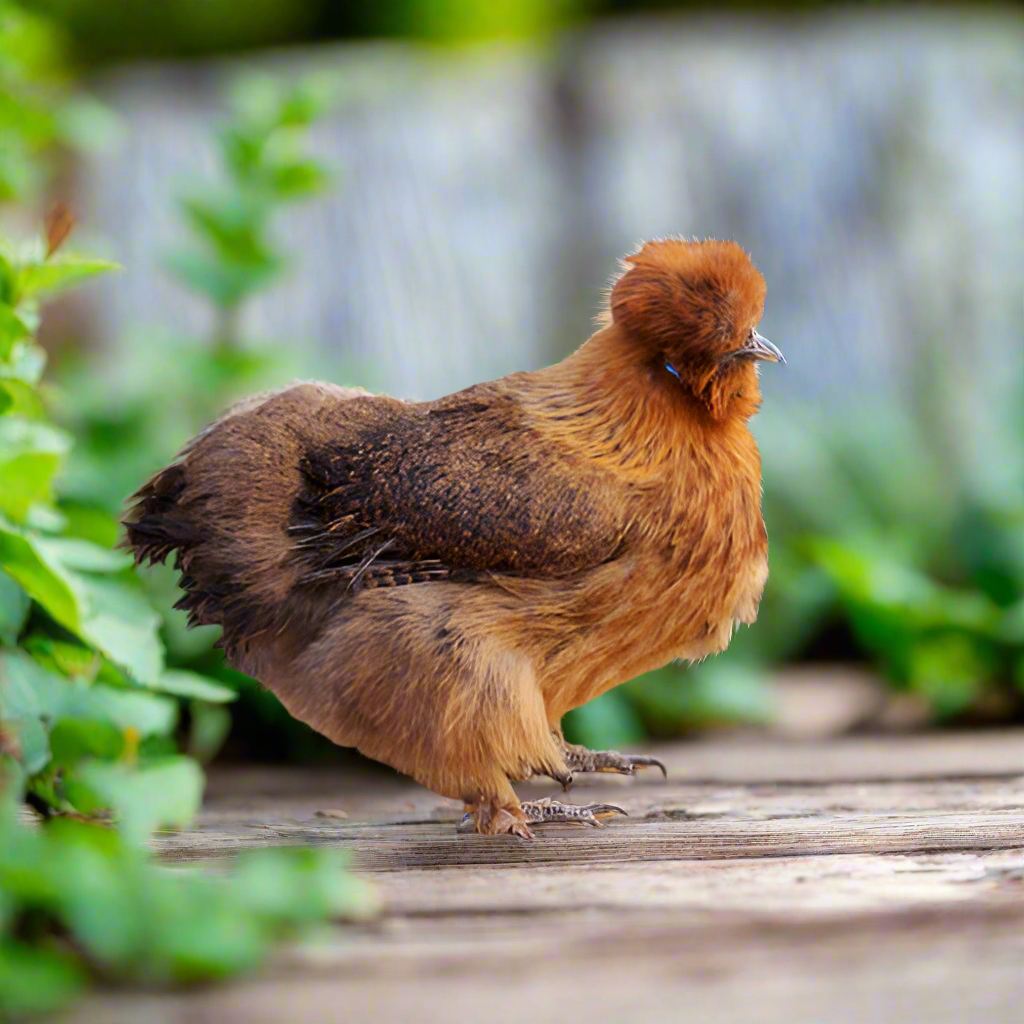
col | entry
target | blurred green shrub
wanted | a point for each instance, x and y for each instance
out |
(88, 714)
(124, 29)
(914, 521)
(80, 902)
(38, 111)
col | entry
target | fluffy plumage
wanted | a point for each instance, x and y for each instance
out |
(437, 583)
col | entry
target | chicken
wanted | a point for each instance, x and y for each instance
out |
(438, 583)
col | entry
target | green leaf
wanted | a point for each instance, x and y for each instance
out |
(222, 283)
(608, 721)
(298, 179)
(950, 672)
(102, 893)
(310, 99)
(190, 684)
(30, 454)
(147, 714)
(242, 149)
(68, 659)
(27, 689)
(910, 599)
(44, 580)
(30, 741)
(300, 886)
(58, 273)
(121, 624)
(233, 225)
(73, 739)
(89, 523)
(35, 980)
(165, 793)
(200, 932)
(83, 555)
(14, 608)
(44, 519)
(209, 725)
(20, 399)
(12, 329)
(26, 364)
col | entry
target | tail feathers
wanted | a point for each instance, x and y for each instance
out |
(223, 509)
(155, 525)
(163, 520)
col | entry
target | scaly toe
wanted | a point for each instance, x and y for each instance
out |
(543, 812)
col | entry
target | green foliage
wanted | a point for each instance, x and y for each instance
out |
(905, 528)
(81, 666)
(80, 901)
(37, 111)
(232, 255)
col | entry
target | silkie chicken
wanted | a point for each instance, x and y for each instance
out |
(438, 583)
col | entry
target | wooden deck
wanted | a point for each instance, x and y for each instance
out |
(863, 879)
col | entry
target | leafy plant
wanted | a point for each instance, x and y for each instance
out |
(81, 662)
(88, 713)
(38, 112)
(81, 902)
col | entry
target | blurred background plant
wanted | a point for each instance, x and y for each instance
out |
(896, 517)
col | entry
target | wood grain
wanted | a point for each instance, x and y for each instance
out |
(888, 885)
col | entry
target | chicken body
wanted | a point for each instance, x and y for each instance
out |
(438, 583)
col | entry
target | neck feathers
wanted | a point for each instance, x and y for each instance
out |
(606, 403)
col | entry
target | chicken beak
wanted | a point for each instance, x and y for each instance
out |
(762, 348)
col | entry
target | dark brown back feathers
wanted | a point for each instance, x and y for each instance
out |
(283, 510)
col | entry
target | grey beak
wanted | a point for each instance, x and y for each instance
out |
(762, 348)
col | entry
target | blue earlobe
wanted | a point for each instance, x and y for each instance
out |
(671, 369)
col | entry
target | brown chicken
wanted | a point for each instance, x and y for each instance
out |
(438, 583)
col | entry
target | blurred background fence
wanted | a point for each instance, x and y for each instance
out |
(872, 165)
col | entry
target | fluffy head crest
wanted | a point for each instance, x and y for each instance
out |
(689, 301)
(691, 308)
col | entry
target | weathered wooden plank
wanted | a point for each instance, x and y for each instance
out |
(796, 887)
(395, 847)
(702, 816)
(835, 882)
(642, 796)
(949, 966)
(741, 760)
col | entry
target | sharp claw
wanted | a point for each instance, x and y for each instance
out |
(650, 762)
(605, 810)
